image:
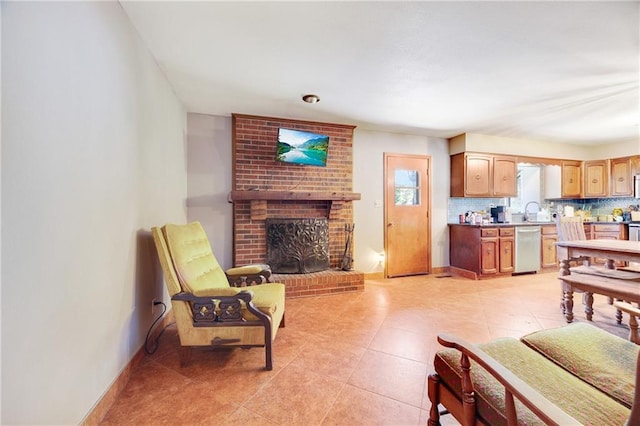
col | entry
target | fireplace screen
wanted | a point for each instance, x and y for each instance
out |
(298, 246)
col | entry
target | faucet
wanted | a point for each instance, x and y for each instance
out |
(525, 217)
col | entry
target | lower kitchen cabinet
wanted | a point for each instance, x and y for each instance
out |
(480, 252)
(507, 249)
(549, 236)
(607, 231)
(489, 256)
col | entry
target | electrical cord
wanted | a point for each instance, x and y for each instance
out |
(157, 340)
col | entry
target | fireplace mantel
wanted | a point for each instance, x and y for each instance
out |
(293, 195)
(259, 199)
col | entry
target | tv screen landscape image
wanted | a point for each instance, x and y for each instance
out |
(298, 147)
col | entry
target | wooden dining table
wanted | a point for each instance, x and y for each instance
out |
(611, 282)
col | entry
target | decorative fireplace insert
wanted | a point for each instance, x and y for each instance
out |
(297, 246)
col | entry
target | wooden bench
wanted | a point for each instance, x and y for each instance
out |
(620, 274)
(616, 288)
(571, 375)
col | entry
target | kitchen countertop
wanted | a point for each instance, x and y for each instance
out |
(498, 225)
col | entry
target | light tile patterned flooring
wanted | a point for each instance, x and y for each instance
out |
(348, 359)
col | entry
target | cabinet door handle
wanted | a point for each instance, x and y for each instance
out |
(594, 181)
(477, 177)
(620, 179)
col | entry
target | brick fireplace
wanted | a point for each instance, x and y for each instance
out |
(264, 188)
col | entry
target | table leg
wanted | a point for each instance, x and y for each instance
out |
(568, 304)
(611, 265)
(564, 270)
(619, 314)
(588, 305)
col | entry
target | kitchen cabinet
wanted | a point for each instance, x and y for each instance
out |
(571, 179)
(490, 252)
(480, 252)
(607, 231)
(595, 178)
(504, 176)
(635, 165)
(506, 244)
(549, 236)
(483, 175)
(621, 178)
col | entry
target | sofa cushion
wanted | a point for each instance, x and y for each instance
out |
(599, 358)
(577, 398)
(196, 266)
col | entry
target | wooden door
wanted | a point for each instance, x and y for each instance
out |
(407, 214)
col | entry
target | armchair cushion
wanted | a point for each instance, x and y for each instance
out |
(592, 355)
(197, 268)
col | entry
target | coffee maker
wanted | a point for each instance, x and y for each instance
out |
(499, 214)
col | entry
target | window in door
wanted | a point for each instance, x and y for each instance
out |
(407, 188)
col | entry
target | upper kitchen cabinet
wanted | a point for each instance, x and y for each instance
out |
(595, 178)
(621, 177)
(504, 176)
(571, 179)
(483, 175)
(635, 165)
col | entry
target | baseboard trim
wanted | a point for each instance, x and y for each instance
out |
(381, 275)
(102, 407)
(374, 275)
(440, 270)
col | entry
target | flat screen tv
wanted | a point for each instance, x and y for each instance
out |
(298, 147)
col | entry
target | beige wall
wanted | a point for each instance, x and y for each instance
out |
(209, 180)
(93, 142)
(532, 148)
(368, 179)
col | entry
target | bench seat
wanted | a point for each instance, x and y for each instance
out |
(620, 274)
(621, 289)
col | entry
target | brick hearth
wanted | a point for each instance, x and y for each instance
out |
(330, 281)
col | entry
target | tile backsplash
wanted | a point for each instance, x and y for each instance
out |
(597, 206)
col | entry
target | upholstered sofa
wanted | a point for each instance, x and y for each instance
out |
(576, 374)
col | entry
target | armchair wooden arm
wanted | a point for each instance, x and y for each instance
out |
(249, 275)
(211, 311)
(544, 409)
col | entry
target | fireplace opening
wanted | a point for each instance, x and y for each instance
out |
(297, 246)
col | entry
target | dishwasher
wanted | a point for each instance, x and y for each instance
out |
(527, 251)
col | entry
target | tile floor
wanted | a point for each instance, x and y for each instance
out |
(348, 359)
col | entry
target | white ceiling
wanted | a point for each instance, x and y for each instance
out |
(556, 71)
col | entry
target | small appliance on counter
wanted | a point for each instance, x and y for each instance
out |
(499, 214)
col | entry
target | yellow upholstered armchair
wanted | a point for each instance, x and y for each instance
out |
(208, 310)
